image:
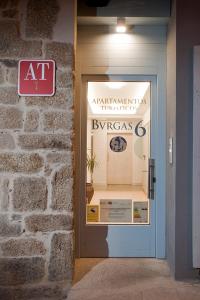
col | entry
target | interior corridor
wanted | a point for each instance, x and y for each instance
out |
(129, 279)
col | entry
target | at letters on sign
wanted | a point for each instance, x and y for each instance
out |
(36, 78)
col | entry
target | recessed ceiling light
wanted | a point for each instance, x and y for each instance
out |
(115, 84)
(121, 25)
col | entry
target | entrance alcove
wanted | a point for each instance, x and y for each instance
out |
(159, 42)
(105, 57)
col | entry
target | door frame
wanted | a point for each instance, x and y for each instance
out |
(158, 128)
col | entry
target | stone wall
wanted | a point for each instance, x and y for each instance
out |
(36, 158)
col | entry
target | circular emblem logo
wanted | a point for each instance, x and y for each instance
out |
(118, 144)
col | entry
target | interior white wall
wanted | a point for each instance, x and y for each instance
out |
(100, 150)
(139, 153)
(146, 153)
(137, 164)
(146, 143)
(100, 144)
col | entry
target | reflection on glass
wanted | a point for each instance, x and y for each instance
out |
(118, 148)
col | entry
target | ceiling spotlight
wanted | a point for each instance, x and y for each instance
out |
(121, 25)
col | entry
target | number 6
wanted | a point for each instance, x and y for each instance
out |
(138, 127)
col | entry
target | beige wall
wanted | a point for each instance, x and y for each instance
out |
(101, 51)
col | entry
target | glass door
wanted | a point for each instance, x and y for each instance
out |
(118, 207)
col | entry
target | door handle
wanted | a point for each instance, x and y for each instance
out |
(151, 179)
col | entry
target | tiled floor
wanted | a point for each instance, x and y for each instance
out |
(129, 279)
(119, 192)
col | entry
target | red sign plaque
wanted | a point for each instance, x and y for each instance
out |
(36, 78)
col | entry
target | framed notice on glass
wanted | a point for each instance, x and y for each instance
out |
(116, 210)
(141, 212)
(92, 213)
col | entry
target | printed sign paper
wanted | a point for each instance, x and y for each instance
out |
(141, 212)
(116, 210)
(92, 213)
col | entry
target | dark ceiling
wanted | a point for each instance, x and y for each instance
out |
(96, 3)
(124, 8)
